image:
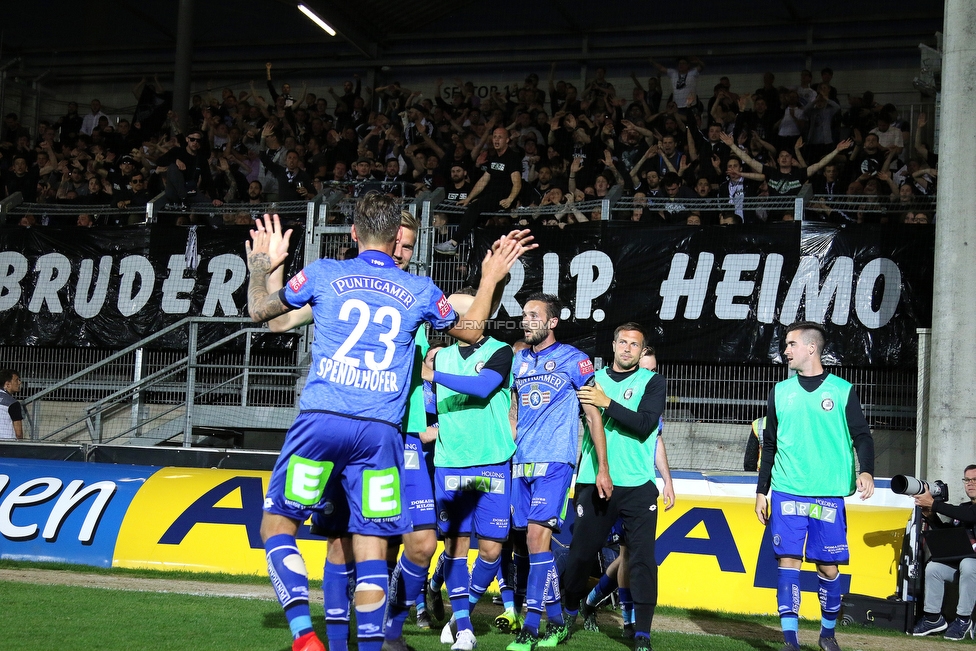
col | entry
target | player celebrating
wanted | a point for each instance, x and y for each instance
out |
(814, 423)
(632, 400)
(472, 480)
(418, 490)
(546, 410)
(366, 312)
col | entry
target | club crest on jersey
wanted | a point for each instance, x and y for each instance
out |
(586, 367)
(328, 508)
(827, 404)
(628, 394)
(550, 365)
(536, 397)
(297, 281)
(579, 510)
(478, 367)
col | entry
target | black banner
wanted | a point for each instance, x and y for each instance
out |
(109, 288)
(720, 294)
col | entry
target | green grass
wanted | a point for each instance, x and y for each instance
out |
(83, 619)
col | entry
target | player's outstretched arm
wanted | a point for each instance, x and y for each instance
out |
(262, 259)
(276, 280)
(494, 270)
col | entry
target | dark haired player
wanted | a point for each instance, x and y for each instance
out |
(631, 400)
(366, 312)
(814, 423)
(547, 411)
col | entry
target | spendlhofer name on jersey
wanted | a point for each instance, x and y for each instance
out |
(339, 373)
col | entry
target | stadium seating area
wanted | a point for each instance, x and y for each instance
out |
(660, 140)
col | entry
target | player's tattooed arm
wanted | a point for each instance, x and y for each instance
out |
(266, 252)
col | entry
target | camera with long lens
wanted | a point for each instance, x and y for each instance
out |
(907, 485)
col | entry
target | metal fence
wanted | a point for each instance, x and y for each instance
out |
(144, 396)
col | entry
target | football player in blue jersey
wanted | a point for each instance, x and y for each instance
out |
(366, 312)
(409, 575)
(547, 412)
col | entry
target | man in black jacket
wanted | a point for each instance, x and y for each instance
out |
(938, 574)
(294, 183)
(188, 178)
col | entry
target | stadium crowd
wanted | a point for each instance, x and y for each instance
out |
(574, 145)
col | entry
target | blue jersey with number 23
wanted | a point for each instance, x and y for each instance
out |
(366, 311)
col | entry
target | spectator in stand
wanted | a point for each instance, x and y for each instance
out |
(188, 178)
(70, 123)
(91, 119)
(99, 192)
(770, 93)
(868, 158)
(498, 188)
(820, 115)
(135, 195)
(285, 89)
(804, 92)
(294, 183)
(889, 138)
(684, 80)
(21, 178)
(826, 76)
(786, 178)
(793, 123)
(85, 221)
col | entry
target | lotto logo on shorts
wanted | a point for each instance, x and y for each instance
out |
(586, 367)
(805, 509)
(381, 493)
(297, 281)
(306, 479)
(444, 306)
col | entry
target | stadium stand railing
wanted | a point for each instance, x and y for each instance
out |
(142, 396)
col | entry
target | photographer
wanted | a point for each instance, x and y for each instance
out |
(938, 574)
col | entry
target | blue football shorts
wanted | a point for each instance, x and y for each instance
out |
(476, 499)
(418, 482)
(810, 528)
(328, 453)
(540, 494)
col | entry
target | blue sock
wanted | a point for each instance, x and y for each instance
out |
(290, 581)
(408, 579)
(371, 576)
(788, 598)
(421, 602)
(626, 605)
(551, 596)
(437, 580)
(521, 563)
(535, 590)
(505, 570)
(829, 605)
(457, 579)
(335, 587)
(604, 587)
(481, 577)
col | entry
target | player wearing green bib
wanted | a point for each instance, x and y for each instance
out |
(814, 423)
(472, 477)
(632, 400)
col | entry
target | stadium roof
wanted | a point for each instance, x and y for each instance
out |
(97, 40)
